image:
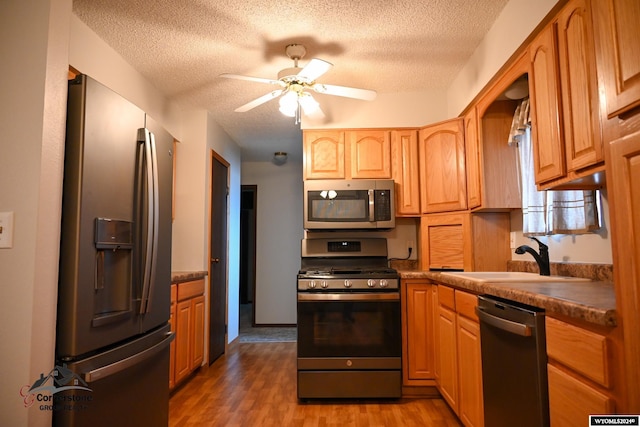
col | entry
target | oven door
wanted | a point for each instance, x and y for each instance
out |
(349, 325)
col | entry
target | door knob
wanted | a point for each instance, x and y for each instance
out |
(216, 260)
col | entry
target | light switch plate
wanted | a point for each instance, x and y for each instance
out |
(6, 230)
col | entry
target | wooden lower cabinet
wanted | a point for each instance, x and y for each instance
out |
(458, 357)
(172, 351)
(187, 322)
(470, 406)
(582, 385)
(418, 297)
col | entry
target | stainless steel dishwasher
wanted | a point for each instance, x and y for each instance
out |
(514, 363)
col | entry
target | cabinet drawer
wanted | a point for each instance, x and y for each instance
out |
(446, 297)
(174, 293)
(191, 289)
(466, 304)
(579, 349)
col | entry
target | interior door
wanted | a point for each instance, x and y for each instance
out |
(218, 257)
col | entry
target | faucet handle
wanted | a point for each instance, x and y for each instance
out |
(541, 246)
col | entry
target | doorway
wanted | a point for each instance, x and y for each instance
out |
(218, 259)
(249, 195)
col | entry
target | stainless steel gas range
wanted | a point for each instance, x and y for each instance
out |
(349, 326)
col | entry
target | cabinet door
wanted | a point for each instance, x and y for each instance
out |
(571, 401)
(183, 332)
(404, 166)
(472, 154)
(324, 155)
(370, 154)
(197, 347)
(548, 152)
(443, 180)
(447, 366)
(445, 242)
(580, 101)
(618, 36)
(470, 372)
(625, 222)
(419, 357)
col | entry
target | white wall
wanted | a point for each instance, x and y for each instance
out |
(514, 24)
(90, 55)
(278, 235)
(388, 110)
(33, 49)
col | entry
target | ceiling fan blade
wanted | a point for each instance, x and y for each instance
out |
(259, 101)
(252, 79)
(349, 92)
(314, 69)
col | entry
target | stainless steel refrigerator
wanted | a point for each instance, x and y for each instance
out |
(113, 336)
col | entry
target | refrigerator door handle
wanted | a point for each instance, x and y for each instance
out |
(151, 233)
(121, 365)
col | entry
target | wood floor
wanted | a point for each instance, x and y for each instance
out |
(254, 384)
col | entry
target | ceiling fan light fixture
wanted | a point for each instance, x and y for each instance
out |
(289, 104)
(308, 103)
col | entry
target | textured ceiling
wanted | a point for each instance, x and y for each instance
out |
(182, 46)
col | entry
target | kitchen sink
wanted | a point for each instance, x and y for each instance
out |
(510, 276)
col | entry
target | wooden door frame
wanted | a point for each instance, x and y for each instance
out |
(217, 157)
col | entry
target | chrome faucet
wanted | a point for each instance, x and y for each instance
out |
(542, 259)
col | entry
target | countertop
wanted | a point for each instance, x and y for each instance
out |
(592, 301)
(187, 276)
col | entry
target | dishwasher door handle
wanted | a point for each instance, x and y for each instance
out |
(504, 324)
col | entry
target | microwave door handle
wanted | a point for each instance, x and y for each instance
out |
(371, 206)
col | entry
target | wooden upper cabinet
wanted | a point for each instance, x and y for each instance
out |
(548, 153)
(578, 80)
(324, 154)
(443, 180)
(492, 163)
(370, 153)
(618, 40)
(404, 166)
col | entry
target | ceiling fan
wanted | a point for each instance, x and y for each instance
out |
(295, 83)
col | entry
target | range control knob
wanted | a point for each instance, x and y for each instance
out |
(312, 284)
(384, 283)
(347, 283)
(371, 283)
(324, 284)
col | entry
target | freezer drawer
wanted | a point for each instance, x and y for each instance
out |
(129, 386)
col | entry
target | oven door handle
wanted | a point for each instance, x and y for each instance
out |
(392, 296)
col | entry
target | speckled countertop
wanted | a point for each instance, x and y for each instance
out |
(592, 301)
(186, 276)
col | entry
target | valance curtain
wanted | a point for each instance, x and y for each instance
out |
(548, 212)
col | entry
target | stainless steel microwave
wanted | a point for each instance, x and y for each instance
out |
(349, 204)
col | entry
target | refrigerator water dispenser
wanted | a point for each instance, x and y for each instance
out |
(113, 276)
